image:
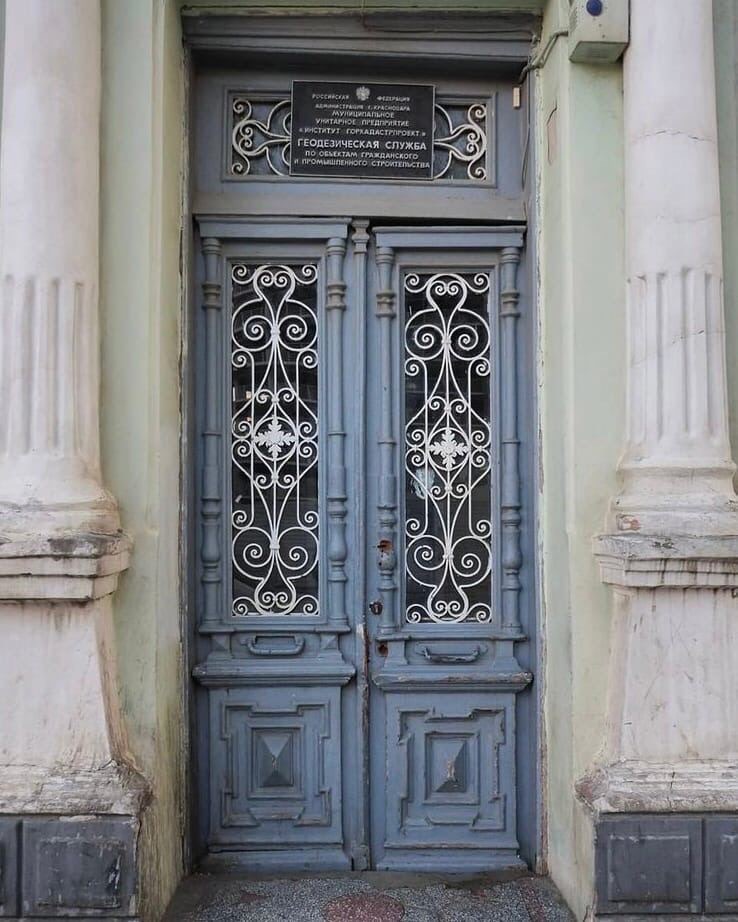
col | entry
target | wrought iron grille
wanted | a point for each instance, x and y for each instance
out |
(448, 448)
(260, 138)
(274, 439)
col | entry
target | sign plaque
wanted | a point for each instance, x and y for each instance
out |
(362, 130)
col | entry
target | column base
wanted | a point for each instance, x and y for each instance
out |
(68, 843)
(666, 839)
(70, 809)
(690, 499)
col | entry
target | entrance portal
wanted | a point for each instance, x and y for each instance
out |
(363, 591)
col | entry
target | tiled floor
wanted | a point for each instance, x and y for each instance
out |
(368, 897)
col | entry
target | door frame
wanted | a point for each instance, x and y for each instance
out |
(219, 38)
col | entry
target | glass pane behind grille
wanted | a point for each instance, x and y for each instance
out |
(448, 530)
(274, 449)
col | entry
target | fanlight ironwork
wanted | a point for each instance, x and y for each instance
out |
(260, 138)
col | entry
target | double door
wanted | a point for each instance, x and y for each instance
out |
(363, 649)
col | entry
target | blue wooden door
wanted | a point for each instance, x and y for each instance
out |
(362, 545)
(444, 489)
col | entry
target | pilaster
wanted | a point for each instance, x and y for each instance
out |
(71, 799)
(663, 794)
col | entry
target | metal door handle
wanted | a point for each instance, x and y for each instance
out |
(451, 658)
(256, 649)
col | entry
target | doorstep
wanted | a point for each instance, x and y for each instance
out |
(367, 897)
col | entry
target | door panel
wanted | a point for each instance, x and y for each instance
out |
(274, 636)
(447, 557)
(359, 551)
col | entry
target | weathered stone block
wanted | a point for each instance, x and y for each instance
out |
(721, 864)
(9, 868)
(649, 864)
(78, 868)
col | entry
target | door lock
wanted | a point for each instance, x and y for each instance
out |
(376, 607)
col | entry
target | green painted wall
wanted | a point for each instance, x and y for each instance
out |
(582, 400)
(142, 145)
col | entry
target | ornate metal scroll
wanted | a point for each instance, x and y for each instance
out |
(448, 449)
(460, 142)
(260, 138)
(274, 371)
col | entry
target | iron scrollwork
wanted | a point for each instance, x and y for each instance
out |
(260, 133)
(448, 453)
(460, 142)
(260, 139)
(274, 368)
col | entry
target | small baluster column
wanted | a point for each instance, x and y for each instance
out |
(387, 498)
(336, 495)
(211, 496)
(511, 556)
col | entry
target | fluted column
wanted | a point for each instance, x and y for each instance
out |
(62, 549)
(677, 468)
(49, 226)
(672, 548)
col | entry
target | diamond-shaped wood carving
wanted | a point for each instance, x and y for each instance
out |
(274, 759)
(450, 771)
(277, 767)
(449, 764)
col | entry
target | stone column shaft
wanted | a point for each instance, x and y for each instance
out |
(677, 465)
(49, 228)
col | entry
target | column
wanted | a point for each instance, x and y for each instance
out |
(677, 468)
(49, 190)
(664, 793)
(71, 797)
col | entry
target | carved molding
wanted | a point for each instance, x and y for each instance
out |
(681, 562)
(112, 789)
(77, 567)
(630, 786)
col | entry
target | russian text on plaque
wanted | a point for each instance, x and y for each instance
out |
(363, 130)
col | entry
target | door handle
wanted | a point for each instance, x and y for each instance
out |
(451, 658)
(257, 649)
